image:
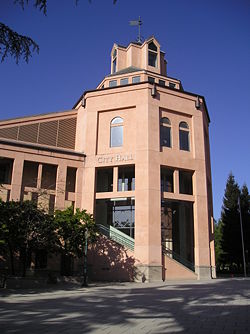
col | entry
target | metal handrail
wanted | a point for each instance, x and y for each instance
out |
(170, 253)
(118, 236)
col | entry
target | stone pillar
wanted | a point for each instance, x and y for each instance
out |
(201, 229)
(16, 181)
(148, 250)
(88, 194)
(115, 179)
(39, 176)
(78, 190)
(176, 182)
(201, 210)
(61, 185)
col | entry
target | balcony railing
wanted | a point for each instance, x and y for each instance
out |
(118, 236)
(173, 255)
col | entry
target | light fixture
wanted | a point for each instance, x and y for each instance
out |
(197, 103)
(83, 102)
(153, 91)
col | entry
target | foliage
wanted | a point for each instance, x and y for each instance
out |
(231, 244)
(28, 230)
(17, 45)
(217, 241)
(71, 228)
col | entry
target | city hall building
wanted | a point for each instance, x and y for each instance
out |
(135, 153)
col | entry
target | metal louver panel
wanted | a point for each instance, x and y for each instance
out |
(48, 133)
(67, 133)
(9, 133)
(28, 133)
(57, 133)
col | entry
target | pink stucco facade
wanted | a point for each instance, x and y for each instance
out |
(158, 161)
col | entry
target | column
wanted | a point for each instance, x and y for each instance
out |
(16, 181)
(78, 190)
(39, 176)
(60, 185)
(115, 179)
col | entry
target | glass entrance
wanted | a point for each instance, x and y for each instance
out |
(177, 228)
(117, 212)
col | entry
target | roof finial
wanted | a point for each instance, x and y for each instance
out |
(137, 23)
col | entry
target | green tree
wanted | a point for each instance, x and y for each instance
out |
(217, 241)
(231, 231)
(71, 228)
(17, 45)
(245, 211)
(28, 229)
(231, 235)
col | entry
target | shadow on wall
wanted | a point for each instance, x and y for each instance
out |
(110, 261)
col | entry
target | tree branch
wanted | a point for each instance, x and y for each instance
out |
(16, 45)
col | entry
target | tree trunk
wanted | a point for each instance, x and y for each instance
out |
(23, 257)
(11, 260)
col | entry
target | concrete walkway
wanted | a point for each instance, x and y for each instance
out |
(217, 306)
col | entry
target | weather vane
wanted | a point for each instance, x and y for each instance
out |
(137, 23)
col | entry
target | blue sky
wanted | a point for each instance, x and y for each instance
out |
(207, 45)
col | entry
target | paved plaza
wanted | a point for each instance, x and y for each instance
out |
(217, 306)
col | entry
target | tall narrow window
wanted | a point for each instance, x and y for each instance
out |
(116, 132)
(114, 61)
(167, 180)
(104, 182)
(152, 54)
(184, 136)
(165, 132)
(186, 182)
(126, 178)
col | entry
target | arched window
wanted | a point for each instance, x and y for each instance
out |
(116, 132)
(184, 136)
(152, 54)
(165, 132)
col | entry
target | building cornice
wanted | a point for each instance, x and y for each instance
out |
(143, 82)
(41, 147)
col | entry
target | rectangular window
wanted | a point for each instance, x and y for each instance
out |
(112, 83)
(6, 166)
(116, 136)
(172, 85)
(49, 174)
(186, 182)
(71, 179)
(104, 182)
(167, 180)
(165, 133)
(184, 140)
(114, 65)
(152, 59)
(136, 79)
(124, 81)
(126, 178)
(151, 80)
(162, 83)
(30, 173)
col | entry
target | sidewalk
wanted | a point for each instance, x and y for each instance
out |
(216, 306)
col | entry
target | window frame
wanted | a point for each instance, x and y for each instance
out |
(116, 122)
(184, 131)
(163, 126)
(123, 79)
(136, 79)
(112, 83)
(152, 52)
